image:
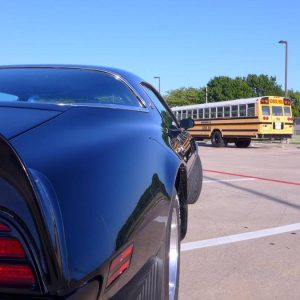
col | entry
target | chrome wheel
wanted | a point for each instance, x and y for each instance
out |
(173, 252)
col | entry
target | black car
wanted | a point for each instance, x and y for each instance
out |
(95, 178)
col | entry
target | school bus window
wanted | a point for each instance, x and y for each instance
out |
(242, 109)
(200, 113)
(194, 113)
(206, 113)
(189, 114)
(265, 110)
(227, 111)
(213, 112)
(220, 112)
(277, 110)
(183, 116)
(251, 110)
(287, 111)
(234, 111)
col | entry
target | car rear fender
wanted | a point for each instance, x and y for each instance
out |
(21, 190)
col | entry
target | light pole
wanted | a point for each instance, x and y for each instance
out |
(158, 77)
(286, 66)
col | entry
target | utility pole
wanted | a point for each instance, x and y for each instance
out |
(158, 77)
(286, 66)
(206, 94)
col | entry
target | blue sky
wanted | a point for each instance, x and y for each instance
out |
(186, 43)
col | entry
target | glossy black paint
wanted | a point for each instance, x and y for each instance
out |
(187, 123)
(93, 180)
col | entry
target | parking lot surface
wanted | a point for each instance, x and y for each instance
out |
(243, 239)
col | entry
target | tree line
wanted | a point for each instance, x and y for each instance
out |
(221, 88)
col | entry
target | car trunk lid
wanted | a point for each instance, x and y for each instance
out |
(16, 120)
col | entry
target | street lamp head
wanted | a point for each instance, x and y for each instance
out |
(282, 42)
(156, 77)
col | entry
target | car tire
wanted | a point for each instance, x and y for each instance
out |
(172, 261)
(217, 139)
(197, 185)
(242, 143)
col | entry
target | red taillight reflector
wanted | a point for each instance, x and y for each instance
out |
(117, 273)
(125, 254)
(287, 101)
(20, 276)
(265, 118)
(119, 265)
(4, 227)
(290, 119)
(11, 248)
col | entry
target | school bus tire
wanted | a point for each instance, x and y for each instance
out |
(217, 139)
(243, 143)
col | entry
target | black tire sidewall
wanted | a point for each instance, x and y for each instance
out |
(199, 183)
(242, 143)
(216, 135)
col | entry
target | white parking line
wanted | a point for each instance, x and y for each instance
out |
(229, 180)
(239, 237)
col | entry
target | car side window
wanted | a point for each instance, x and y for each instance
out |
(166, 115)
(64, 86)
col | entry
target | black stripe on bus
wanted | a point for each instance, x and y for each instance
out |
(226, 137)
(233, 130)
(202, 136)
(235, 118)
(239, 136)
(250, 123)
(199, 130)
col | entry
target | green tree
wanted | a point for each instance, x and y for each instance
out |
(263, 85)
(225, 88)
(185, 96)
(295, 97)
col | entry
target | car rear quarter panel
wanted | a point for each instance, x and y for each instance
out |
(112, 173)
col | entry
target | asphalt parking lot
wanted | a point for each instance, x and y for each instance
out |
(243, 239)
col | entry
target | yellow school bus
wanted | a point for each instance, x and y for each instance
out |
(239, 121)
